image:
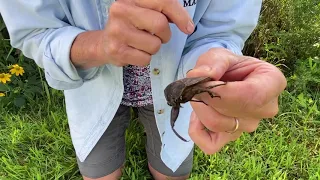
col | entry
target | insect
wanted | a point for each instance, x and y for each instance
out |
(182, 91)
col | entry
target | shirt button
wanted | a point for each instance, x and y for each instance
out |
(156, 71)
(161, 111)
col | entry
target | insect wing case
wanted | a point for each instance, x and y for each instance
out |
(196, 80)
(173, 91)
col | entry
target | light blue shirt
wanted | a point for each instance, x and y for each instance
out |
(45, 29)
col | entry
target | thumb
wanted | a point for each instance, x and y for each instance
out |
(214, 63)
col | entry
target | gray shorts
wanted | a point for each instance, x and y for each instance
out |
(109, 153)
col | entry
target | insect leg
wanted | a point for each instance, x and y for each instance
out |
(212, 95)
(202, 90)
(174, 116)
(198, 101)
(210, 87)
(179, 135)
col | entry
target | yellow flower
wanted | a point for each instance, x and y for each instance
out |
(2, 94)
(16, 69)
(4, 77)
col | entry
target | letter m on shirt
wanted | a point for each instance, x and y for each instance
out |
(189, 3)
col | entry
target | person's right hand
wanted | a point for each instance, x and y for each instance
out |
(136, 29)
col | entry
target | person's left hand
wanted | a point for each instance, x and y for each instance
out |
(251, 94)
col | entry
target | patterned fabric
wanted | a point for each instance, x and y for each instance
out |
(137, 86)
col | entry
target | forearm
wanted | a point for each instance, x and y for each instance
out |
(46, 37)
(86, 51)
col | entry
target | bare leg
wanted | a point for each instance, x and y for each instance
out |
(158, 176)
(113, 176)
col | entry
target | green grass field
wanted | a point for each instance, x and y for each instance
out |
(34, 133)
(35, 144)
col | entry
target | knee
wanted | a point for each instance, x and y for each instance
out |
(159, 176)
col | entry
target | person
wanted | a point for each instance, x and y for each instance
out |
(110, 56)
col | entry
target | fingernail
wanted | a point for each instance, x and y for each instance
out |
(189, 70)
(190, 27)
(193, 116)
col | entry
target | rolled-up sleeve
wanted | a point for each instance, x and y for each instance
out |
(227, 24)
(39, 29)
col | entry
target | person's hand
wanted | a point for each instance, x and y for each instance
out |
(251, 94)
(136, 29)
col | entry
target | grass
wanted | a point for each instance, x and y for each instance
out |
(35, 144)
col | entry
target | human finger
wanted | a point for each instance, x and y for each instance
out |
(152, 21)
(211, 119)
(217, 122)
(173, 10)
(245, 98)
(143, 41)
(251, 83)
(209, 142)
(124, 54)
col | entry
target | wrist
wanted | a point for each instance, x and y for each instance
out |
(86, 51)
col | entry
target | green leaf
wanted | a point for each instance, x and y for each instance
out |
(2, 26)
(3, 87)
(10, 59)
(9, 54)
(33, 80)
(19, 101)
(301, 99)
